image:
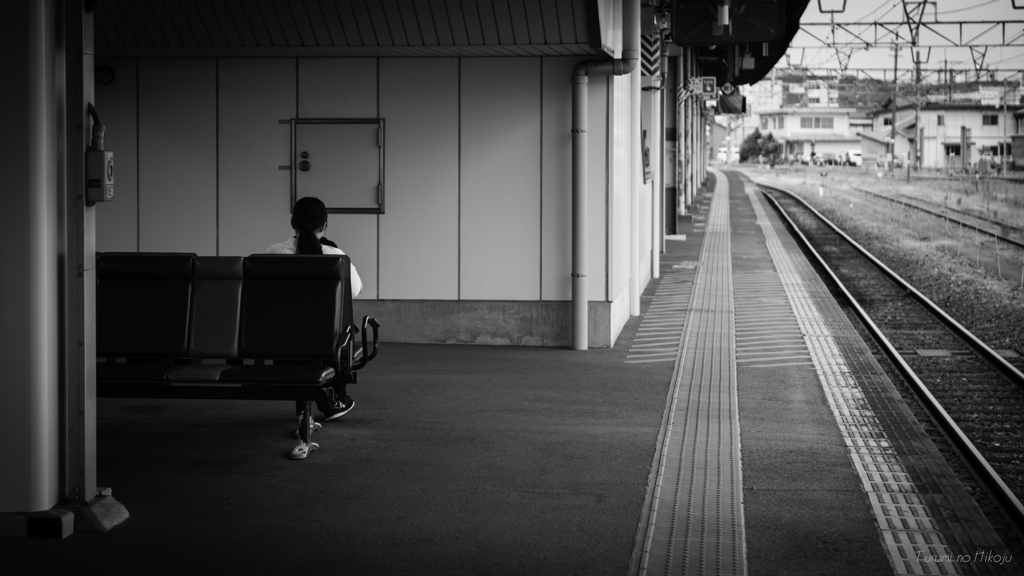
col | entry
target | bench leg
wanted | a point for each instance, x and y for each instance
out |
(300, 411)
(306, 428)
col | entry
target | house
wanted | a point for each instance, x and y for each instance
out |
(806, 131)
(935, 134)
(1016, 151)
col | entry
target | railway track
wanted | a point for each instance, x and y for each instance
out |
(1001, 231)
(972, 392)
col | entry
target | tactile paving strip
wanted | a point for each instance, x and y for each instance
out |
(928, 521)
(695, 520)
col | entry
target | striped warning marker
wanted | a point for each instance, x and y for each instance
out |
(658, 337)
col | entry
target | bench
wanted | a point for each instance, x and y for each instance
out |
(263, 327)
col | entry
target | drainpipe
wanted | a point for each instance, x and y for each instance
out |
(635, 183)
(580, 78)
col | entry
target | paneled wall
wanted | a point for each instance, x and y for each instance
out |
(419, 233)
(618, 203)
(499, 216)
(177, 134)
(477, 168)
(556, 178)
(253, 194)
(117, 222)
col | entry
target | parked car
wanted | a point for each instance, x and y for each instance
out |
(826, 159)
(853, 158)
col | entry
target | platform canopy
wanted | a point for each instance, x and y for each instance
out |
(350, 28)
(737, 41)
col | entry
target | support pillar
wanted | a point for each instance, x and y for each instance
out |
(30, 399)
(686, 126)
(78, 253)
(636, 180)
(94, 508)
(694, 151)
(657, 136)
(29, 396)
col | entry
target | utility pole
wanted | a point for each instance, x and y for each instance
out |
(949, 82)
(1002, 153)
(895, 61)
(918, 131)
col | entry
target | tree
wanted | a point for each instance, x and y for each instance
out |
(756, 145)
(770, 147)
(750, 148)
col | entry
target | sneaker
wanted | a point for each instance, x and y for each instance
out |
(340, 408)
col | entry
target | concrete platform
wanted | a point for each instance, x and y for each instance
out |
(737, 427)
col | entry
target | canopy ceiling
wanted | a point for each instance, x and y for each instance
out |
(353, 28)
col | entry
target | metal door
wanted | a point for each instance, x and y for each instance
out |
(340, 161)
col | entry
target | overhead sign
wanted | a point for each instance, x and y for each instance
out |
(708, 87)
(734, 103)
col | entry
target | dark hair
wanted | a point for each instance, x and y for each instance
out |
(308, 216)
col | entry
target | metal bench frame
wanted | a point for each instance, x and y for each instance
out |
(341, 366)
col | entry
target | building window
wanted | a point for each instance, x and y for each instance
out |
(952, 149)
(764, 123)
(816, 122)
(887, 121)
(941, 119)
(989, 120)
(782, 122)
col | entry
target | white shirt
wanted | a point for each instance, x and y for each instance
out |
(288, 247)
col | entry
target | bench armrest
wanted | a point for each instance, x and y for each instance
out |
(368, 353)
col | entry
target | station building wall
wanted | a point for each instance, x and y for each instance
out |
(475, 241)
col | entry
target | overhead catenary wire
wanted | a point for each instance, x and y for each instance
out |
(858, 27)
(968, 8)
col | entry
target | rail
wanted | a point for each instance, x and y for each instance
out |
(995, 483)
(926, 210)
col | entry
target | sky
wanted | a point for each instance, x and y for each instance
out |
(1009, 58)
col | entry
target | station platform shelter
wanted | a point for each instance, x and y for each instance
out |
(501, 173)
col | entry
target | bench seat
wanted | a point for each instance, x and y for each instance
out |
(215, 373)
(267, 326)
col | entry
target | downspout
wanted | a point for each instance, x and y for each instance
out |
(635, 181)
(580, 79)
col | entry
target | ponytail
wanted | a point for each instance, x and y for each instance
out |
(308, 216)
(306, 243)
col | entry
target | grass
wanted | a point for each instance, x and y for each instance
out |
(998, 199)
